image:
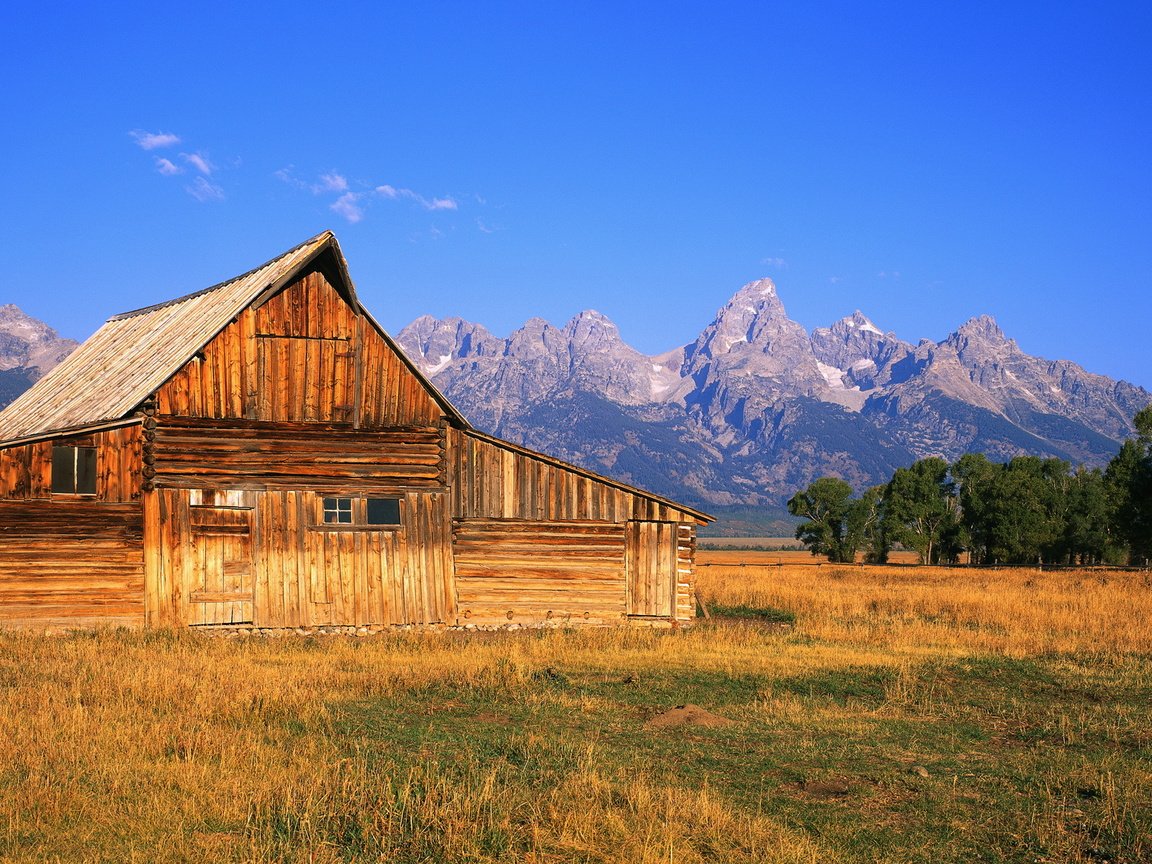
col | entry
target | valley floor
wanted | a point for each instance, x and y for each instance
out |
(844, 715)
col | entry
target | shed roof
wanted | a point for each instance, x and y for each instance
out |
(134, 353)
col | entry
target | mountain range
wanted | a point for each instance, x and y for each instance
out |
(753, 409)
(757, 407)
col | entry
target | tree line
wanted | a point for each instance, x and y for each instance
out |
(1028, 510)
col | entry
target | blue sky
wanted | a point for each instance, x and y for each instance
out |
(924, 163)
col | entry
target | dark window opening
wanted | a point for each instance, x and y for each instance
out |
(383, 511)
(74, 470)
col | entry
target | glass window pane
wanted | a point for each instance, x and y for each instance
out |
(383, 511)
(86, 470)
(338, 511)
(63, 469)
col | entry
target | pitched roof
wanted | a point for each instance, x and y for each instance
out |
(121, 364)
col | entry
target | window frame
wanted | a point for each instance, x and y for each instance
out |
(356, 507)
(75, 474)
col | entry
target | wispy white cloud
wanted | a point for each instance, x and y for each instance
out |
(888, 274)
(835, 280)
(285, 175)
(200, 162)
(395, 194)
(348, 206)
(154, 140)
(330, 182)
(774, 262)
(353, 200)
(167, 167)
(204, 190)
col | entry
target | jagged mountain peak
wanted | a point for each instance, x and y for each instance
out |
(763, 287)
(755, 298)
(859, 321)
(592, 327)
(982, 327)
(28, 343)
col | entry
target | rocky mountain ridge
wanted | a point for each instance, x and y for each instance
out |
(29, 349)
(756, 406)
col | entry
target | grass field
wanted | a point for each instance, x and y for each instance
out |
(849, 715)
(774, 550)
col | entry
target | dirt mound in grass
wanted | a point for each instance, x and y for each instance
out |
(687, 715)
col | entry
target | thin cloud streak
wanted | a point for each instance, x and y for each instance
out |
(199, 162)
(154, 140)
(204, 191)
(394, 194)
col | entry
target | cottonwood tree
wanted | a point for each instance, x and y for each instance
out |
(1128, 480)
(921, 510)
(839, 525)
(824, 506)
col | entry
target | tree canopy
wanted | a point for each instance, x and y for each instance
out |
(1027, 510)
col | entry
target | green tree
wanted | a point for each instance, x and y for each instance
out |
(1089, 537)
(866, 525)
(825, 506)
(1025, 519)
(921, 510)
(1128, 481)
(974, 478)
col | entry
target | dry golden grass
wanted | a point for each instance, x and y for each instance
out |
(530, 746)
(174, 747)
(1012, 612)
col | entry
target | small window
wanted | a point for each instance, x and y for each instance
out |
(383, 511)
(338, 511)
(346, 511)
(74, 470)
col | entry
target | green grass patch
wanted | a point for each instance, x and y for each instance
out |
(753, 613)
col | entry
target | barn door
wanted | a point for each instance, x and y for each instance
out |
(651, 569)
(220, 569)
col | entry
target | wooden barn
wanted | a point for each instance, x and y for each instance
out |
(261, 452)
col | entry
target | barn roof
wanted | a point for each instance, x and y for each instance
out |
(104, 381)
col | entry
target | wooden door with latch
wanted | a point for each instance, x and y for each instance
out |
(220, 569)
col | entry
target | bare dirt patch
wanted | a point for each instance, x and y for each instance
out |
(687, 715)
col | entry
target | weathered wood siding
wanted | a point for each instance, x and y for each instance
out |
(275, 564)
(539, 540)
(491, 481)
(71, 562)
(26, 469)
(303, 356)
(239, 454)
(661, 570)
(531, 570)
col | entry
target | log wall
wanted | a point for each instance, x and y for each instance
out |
(535, 540)
(529, 570)
(73, 563)
(239, 454)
